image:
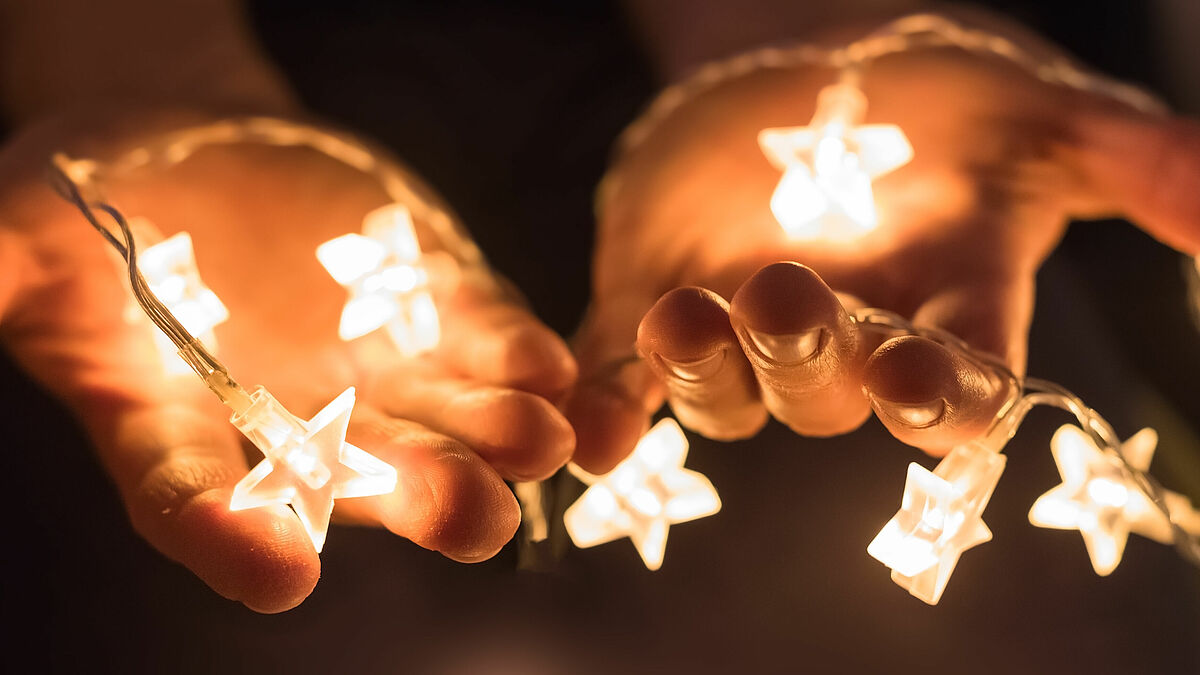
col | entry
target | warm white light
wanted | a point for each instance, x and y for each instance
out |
(388, 285)
(170, 270)
(643, 496)
(940, 516)
(308, 464)
(828, 166)
(1099, 497)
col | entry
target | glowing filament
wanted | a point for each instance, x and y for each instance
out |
(388, 285)
(828, 166)
(940, 516)
(308, 464)
(170, 270)
(1099, 497)
(643, 496)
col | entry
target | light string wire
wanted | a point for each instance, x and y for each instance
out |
(908, 33)
(1028, 393)
(210, 369)
(73, 178)
(400, 185)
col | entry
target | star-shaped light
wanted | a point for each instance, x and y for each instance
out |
(940, 516)
(170, 270)
(308, 464)
(388, 285)
(828, 166)
(1099, 497)
(643, 496)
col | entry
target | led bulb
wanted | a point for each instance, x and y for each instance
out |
(1099, 497)
(308, 464)
(169, 268)
(643, 496)
(940, 516)
(388, 284)
(828, 166)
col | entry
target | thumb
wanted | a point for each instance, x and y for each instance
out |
(936, 397)
(1143, 167)
(616, 394)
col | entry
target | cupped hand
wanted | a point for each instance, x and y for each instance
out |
(733, 321)
(455, 423)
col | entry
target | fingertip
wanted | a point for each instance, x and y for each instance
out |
(447, 500)
(786, 298)
(259, 557)
(686, 325)
(686, 338)
(929, 396)
(521, 435)
(608, 424)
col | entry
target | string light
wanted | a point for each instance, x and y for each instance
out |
(1100, 498)
(940, 516)
(642, 496)
(307, 463)
(170, 270)
(828, 166)
(825, 193)
(388, 284)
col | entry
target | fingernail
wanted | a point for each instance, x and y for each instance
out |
(788, 350)
(914, 415)
(694, 371)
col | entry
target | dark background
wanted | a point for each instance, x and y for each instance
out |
(509, 110)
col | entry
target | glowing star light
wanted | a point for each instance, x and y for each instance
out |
(643, 496)
(170, 270)
(388, 285)
(308, 464)
(1099, 497)
(828, 166)
(940, 516)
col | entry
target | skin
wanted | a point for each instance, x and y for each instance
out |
(456, 423)
(690, 263)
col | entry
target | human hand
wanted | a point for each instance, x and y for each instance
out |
(455, 423)
(1002, 162)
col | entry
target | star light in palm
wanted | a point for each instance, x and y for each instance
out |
(940, 516)
(1099, 497)
(388, 284)
(308, 464)
(643, 496)
(169, 268)
(828, 166)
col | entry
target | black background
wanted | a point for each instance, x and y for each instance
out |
(509, 110)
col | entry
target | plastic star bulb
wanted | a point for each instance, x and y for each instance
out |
(643, 496)
(388, 285)
(828, 166)
(1099, 497)
(308, 464)
(940, 516)
(170, 270)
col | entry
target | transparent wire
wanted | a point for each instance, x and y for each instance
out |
(169, 149)
(210, 369)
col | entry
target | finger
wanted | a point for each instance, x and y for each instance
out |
(804, 349)
(617, 392)
(521, 435)
(933, 397)
(494, 341)
(688, 342)
(176, 469)
(168, 445)
(448, 498)
(1145, 167)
